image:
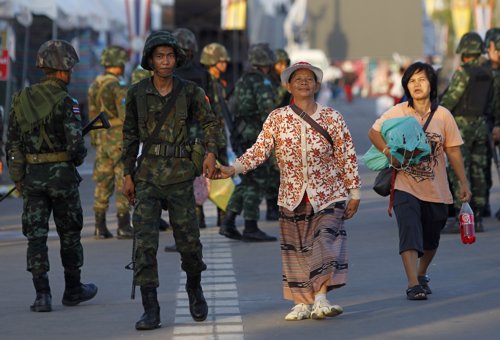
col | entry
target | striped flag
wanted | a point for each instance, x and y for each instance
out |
(139, 25)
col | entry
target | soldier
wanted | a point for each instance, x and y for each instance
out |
(492, 42)
(215, 57)
(254, 99)
(106, 94)
(282, 62)
(468, 98)
(137, 75)
(193, 71)
(44, 147)
(165, 176)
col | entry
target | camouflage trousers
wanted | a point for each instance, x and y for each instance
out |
(248, 194)
(108, 177)
(179, 200)
(474, 132)
(64, 203)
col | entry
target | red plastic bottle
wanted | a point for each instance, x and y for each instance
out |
(466, 219)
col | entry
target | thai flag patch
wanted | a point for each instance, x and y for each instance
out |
(76, 109)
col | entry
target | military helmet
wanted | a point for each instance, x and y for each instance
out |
(186, 39)
(114, 56)
(161, 38)
(261, 55)
(470, 43)
(139, 74)
(213, 53)
(57, 55)
(491, 34)
(281, 55)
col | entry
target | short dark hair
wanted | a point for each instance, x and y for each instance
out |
(431, 77)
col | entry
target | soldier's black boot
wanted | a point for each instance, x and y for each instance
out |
(101, 230)
(43, 301)
(220, 216)
(150, 319)
(124, 230)
(200, 215)
(228, 227)
(197, 304)
(272, 213)
(75, 291)
(252, 233)
(478, 222)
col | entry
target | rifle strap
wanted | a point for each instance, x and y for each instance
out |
(164, 114)
(312, 122)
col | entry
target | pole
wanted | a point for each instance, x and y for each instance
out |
(25, 54)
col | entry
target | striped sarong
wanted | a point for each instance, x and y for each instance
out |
(313, 250)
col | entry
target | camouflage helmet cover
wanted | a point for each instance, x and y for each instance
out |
(491, 34)
(496, 41)
(186, 39)
(161, 38)
(57, 55)
(261, 55)
(213, 53)
(114, 56)
(281, 55)
(470, 43)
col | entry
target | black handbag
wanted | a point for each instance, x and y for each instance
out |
(383, 181)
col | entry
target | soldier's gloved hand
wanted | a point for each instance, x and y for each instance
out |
(129, 189)
(209, 169)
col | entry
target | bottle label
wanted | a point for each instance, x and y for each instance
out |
(466, 218)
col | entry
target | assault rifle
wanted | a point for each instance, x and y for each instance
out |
(92, 125)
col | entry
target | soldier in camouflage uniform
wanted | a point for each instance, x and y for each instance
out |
(44, 147)
(193, 71)
(215, 58)
(165, 176)
(282, 62)
(492, 44)
(253, 99)
(106, 94)
(469, 99)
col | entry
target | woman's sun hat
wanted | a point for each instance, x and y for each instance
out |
(285, 75)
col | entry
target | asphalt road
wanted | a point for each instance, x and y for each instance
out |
(243, 282)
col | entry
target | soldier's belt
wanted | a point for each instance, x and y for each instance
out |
(50, 157)
(168, 150)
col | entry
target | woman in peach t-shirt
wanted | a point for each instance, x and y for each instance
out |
(422, 191)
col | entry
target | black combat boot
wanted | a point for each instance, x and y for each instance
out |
(220, 216)
(197, 303)
(478, 222)
(200, 215)
(164, 225)
(124, 230)
(150, 319)
(228, 227)
(43, 301)
(101, 230)
(272, 213)
(252, 233)
(75, 291)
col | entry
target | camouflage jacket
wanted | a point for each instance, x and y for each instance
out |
(217, 93)
(458, 87)
(158, 169)
(108, 95)
(63, 128)
(253, 98)
(496, 96)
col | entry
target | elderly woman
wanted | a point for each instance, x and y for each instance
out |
(319, 174)
(421, 191)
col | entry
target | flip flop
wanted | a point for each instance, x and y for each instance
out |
(416, 293)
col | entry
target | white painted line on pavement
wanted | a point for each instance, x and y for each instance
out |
(224, 321)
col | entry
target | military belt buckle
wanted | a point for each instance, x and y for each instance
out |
(157, 150)
(35, 158)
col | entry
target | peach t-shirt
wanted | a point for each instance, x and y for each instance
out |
(427, 180)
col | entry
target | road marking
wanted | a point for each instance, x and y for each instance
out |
(224, 320)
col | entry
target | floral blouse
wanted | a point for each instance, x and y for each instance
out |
(306, 160)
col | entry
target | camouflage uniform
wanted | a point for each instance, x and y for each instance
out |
(44, 147)
(469, 98)
(165, 179)
(139, 74)
(106, 94)
(254, 99)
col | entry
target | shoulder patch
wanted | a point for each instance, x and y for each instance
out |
(76, 109)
